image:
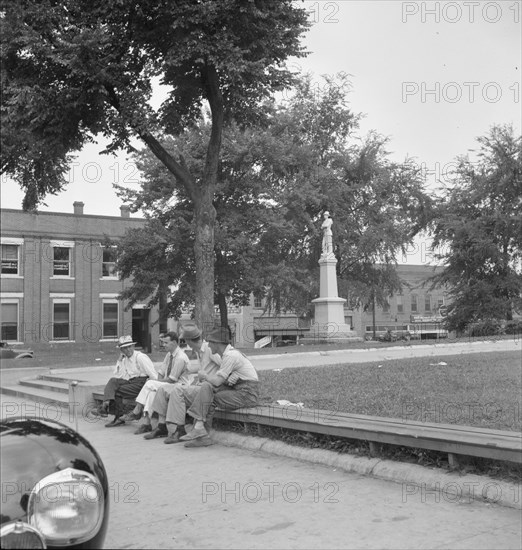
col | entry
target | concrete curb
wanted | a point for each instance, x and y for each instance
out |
(431, 484)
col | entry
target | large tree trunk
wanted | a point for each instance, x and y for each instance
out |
(205, 217)
(202, 195)
(223, 310)
(373, 315)
(205, 213)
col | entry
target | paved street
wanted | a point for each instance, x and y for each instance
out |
(168, 496)
(333, 357)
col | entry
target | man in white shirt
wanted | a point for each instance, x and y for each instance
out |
(233, 386)
(131, 372)
(171, 402)
(174, 369)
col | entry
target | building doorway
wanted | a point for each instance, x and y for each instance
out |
(141, 328)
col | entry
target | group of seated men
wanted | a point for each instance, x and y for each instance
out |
(223, 377)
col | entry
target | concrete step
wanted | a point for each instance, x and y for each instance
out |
(48, 385)
(35, 394)
(61, 379)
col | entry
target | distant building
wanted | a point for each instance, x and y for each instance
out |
(417, 309)
(59, 289)
(59, 285)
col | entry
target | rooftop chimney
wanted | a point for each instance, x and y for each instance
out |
(125, 211)
(78, 207)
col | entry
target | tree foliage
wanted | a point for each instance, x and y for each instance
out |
(275, 179)
(378, 206)
(242, 206)
(478, 227)
(74, 69)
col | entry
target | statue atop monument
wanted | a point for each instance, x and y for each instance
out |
(327, 234)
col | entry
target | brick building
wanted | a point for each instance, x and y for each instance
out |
(59, 287)
(416, 307)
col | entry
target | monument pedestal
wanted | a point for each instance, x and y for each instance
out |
(329, 325)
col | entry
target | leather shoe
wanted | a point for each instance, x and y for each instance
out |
(194, 434)
(160, 431)
(172, 438)
(190, 427)
(143, 429)
(115, 422)
(200, 442)
(129, 417)
(100, 411)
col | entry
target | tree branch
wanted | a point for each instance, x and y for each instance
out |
(215, 99)
(180, 171)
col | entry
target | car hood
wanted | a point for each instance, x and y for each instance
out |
(32, 450)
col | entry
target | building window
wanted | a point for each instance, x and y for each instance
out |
(427, 302)
(110, 320)
(400, 306)
(62, 261)
(10, 259)
(414, 303)
(109, 262)
(61, 320)
(258, 301)
(9, 322)
(440, 303)
(386, 307)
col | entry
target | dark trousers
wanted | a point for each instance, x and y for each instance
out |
(118, 389)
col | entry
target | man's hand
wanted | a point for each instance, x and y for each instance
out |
(232, 379)
(202, 375)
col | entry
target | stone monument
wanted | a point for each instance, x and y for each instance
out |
(329, 325)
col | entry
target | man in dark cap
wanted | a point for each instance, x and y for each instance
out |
(233, 386)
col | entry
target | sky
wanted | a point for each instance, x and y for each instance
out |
(431, 76)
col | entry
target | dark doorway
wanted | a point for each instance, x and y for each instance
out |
(140, 328)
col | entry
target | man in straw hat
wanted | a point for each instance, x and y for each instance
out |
(132, 370)
(170, 403)
(233, 386)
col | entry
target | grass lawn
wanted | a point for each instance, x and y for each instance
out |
(482, 390)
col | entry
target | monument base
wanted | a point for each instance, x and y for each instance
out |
(331, 333)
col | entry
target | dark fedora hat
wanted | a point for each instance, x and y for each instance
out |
(220, 335)
(190, 331)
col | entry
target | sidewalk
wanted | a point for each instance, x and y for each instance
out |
(168, 496)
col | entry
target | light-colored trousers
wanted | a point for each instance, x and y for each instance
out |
(148, 393)
(170, 402)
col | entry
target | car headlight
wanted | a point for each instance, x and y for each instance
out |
(67, 507)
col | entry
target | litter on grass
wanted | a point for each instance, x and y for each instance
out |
(286, 403)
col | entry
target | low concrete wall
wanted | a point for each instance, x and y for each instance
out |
(81, 400)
